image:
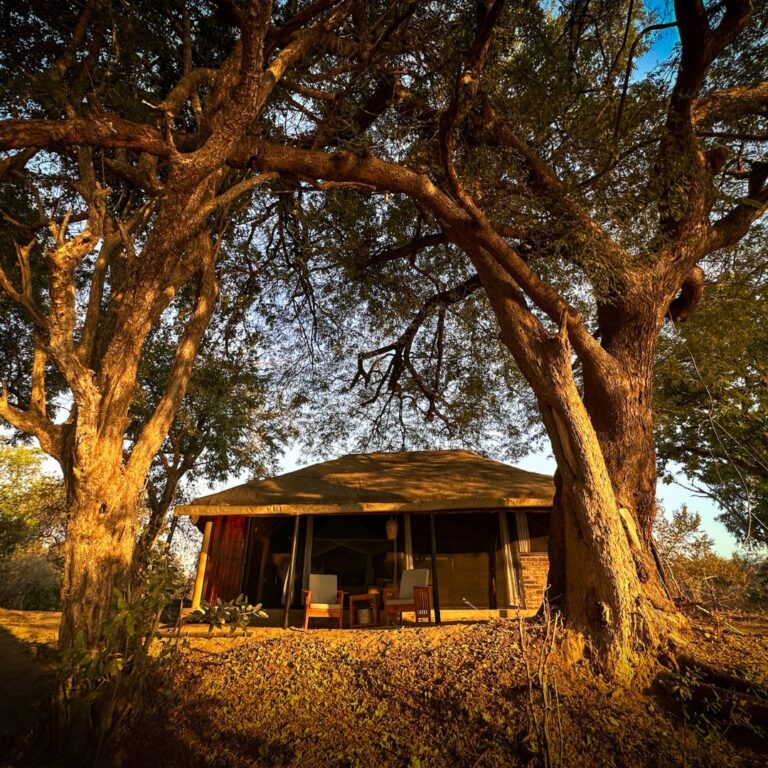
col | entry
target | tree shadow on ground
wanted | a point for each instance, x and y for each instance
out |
(26, 682)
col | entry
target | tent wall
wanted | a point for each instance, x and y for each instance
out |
(226, 558)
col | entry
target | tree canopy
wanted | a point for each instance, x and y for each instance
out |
(712, 391)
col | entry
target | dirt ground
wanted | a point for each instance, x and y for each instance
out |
(457, 695)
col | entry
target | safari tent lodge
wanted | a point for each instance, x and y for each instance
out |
(479, 525)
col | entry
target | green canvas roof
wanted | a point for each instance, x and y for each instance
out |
(418, 481)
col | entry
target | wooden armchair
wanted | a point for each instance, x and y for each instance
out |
(408, 600)
(323, 599)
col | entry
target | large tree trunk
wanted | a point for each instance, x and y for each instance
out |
(621, 411)
(603, 575)
(103, 515)
(602, 570)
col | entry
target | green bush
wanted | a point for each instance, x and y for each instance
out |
(236, 613)
(29, 582)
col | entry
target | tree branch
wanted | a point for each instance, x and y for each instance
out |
(24, 297)
(401, 348)
(32, 422)
(691, 293)
(465, 90)
(735, 224)
(733, 102)
(103, 130)
(407, 250)
(158, 424)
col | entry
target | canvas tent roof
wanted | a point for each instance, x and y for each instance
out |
(419, 481)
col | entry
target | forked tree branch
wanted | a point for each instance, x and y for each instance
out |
(401, 348)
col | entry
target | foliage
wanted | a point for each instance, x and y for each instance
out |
(701, 576)
(32, 505)
(232, 421)
(681, 535)
(101, 686)
(712, 394)
(30, 581)
(712, 711)
(236, 613)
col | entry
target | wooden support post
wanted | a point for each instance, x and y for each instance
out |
(265, 540)
(308, 537)
(408, 543)
(202, 562)
(433, 559)
(291, 572)
(522, 546)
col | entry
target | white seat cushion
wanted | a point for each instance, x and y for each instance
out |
(323, 588)
(413, 577)
(326, 606)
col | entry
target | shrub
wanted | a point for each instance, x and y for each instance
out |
(29, 582)
(237, 613)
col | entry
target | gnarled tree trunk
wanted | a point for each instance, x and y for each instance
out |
(103, 512)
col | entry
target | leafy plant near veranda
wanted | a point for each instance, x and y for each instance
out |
(236, 614)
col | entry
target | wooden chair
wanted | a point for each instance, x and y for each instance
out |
(422, 604)
(323, 599)
(413, 578)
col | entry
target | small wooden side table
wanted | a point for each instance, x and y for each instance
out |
(358, 601)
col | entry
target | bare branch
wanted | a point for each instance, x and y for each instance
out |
(628, 71)
(16, 162)
(186, 89)
(465, 90)
(226, 199)
(39, 357)
(110, 246)
(735, 224)
(407, 250)
(96, 130)
(24, 301)
(401, 348)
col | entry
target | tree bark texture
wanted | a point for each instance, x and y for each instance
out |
(98, 551)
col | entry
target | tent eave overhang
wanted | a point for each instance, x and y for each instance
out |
(293, 510)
